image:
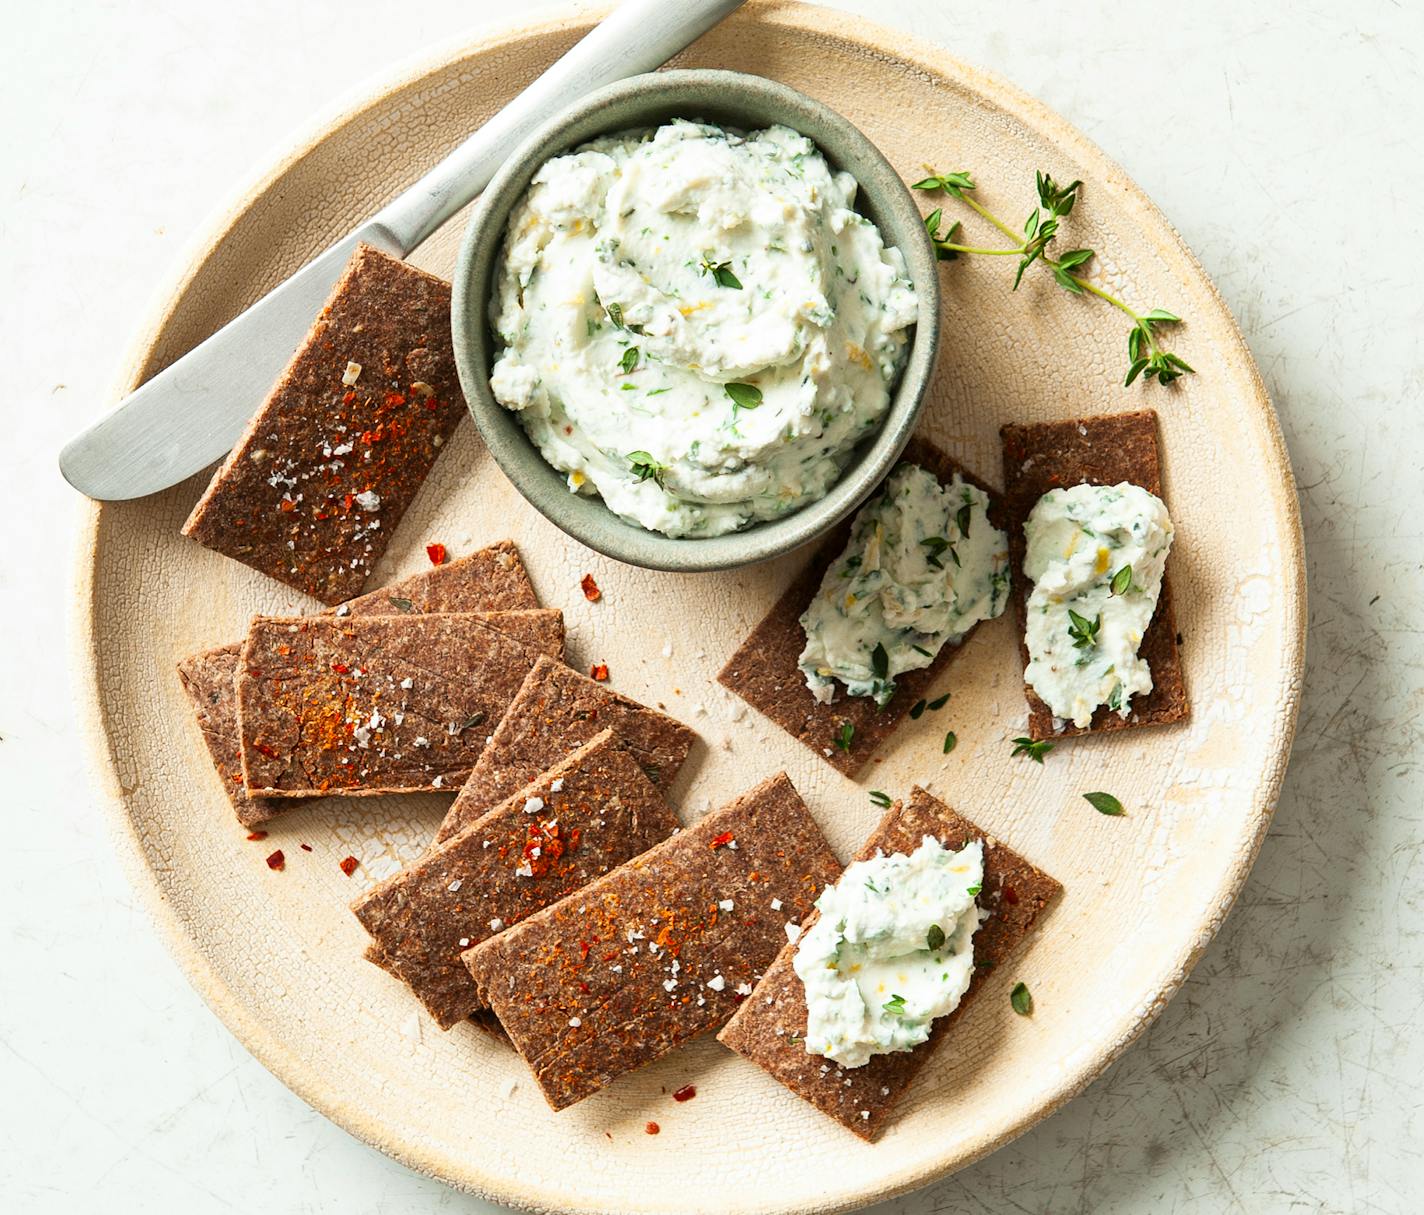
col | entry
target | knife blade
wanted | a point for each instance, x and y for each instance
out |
(192, 412)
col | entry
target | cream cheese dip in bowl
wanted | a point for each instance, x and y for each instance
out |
(695, 316)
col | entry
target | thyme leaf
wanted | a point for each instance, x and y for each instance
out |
(1021, 999)
(1104, 803)
(934, 547)
(744, 396)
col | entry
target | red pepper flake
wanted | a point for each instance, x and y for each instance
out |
(287, 505)
(721, 841)
(341, 668)
(348, 865)
(652, 1128)
(599, 672)
(686, 1093)
(277, 860)
(264, 749)
(436, 553)
(306, 847)
(257, 835)
(545, 845)
(590, 589)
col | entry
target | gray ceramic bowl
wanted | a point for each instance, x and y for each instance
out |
(731, 99)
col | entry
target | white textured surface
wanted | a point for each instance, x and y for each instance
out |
(1281, 1071)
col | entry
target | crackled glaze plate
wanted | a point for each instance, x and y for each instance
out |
(278, 955)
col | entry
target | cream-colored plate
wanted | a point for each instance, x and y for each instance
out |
(277, 955)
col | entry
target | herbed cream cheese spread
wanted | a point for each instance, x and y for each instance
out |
(1095, 555)
(892, 950)
(923, 566)
(697, 325)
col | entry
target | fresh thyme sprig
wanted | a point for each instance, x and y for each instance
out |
(1146, 356)
(645, 468)
(1083, 631)
(1034, 750)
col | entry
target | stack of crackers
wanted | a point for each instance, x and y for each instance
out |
(562, 903)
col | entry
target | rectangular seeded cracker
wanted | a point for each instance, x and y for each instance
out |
(574, 823)
(1101, 450)
(555, 711)
(491, 579)
(379, 704)
(660, 950)
(763, 672)
(862, 1098)
(327, 466)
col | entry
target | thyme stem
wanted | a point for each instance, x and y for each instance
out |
(1055, 202)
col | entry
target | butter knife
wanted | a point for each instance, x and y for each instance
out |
(192, 412)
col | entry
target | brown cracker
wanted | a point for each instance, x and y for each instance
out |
(862, 1098)
(555, 711)
(209, 680)
(491, 579)
(284, 500)
(307, 689)
(482, 1019)
(763, 671)
(597, 808)
(1102, 450)
(578, 1022)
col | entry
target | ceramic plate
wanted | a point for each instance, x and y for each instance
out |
(278, 955)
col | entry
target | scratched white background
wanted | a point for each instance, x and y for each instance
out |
(1283, 141)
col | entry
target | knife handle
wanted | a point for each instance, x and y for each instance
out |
(638, 36)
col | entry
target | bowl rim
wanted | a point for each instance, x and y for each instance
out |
(588, 519)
